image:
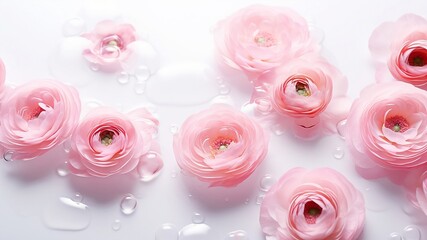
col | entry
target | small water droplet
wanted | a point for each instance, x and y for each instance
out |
(266, 182)
(174, 129)
(263, 105)
(128, 204)
(223, 89)
(139, 87)
(237, 235)
(66, 214)
(73, 27)
(197, 232)
(8, 156)
(395, 236)
(341, 128)
(66, 146)
(78, 197)
(173, 174)
(123, 78)
(142, 73)
(62, 171)
(116, 225)
(246, 201)
(339, 153)
(190, 195)
(278, 129)
(198, 218)
(259, 199)
(412, 233)
(94, 67)
(167, 231)
(149, 166)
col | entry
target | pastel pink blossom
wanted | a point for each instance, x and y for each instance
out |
(400, 48)
(110, 42)
(107, 142)
(312, 205)
(417, 190)
(387, 129)
(259, 38)
(36, 117)
(220, 146)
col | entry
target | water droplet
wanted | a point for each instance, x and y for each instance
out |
(142, 73)
(190, 195)
(123, 78)
(339, 153)
(66, 146)
(223, 89)
(266, 182)
(377, 199)
(237, 235)
(149, 166)
(73, 27)
(197, 232)
(174, 129)
(341, 128)
(246, 201)
(139, 87)
(8, 156)
(94, 67)
(259, 199)
(62, 171)
(198, 218)
(128, 204)
(116, 225)
(167, 231)
(395, 236)
(173, 174)
(66, 214)
(412, 233)
(78, 197)
(278, 129)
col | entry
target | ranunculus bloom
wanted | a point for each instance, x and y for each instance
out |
(387, 128)
(107, 142)
(220, 146)
(37, 116)
(401, 49)
(312, 205)
(109, 44)
(259, 38)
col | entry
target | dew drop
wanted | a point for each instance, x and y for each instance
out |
(278, 129)
(123, 78)
(412, 233)
(73, 27)
(62, 171)
(223, 89)
(66, 214)
(167, 231)
(266, 182)
(237, 235)
(128, 204)
(174, 129)
(66, 146)
(395, 236)
(259, 199)
(78, 197)
(198, 218)
(94, 67)
(116, 225)
(339, 153)
(142, 73)
(341, 128)
(149, 166)
(190, 195)
(197, 232)
(139, 87)
(8, 156)
(246, 201)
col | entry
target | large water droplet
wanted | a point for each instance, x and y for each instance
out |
(412, 233)
(73, 27)
(339, 153)
(8, 156)
(167, 231)
(395, 236)
(142, 73)
(66, 214)
(237, 235)
(123, 77)
(341, 128)
(197, 232)
(128, 204)
(116, 225)
(149, 166)
(266, 182)
(198, 218)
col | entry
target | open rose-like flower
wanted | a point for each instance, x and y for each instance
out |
(401, 49)
(312, 205)
(109, 46)
(220, 146)
(387, 128)
(36, 117)
(107, 142)
(259, 38)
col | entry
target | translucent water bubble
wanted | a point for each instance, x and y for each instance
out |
(8, 156)
(142, 73)
(259, 199)
(338, 153)
(94, 67)
(224, 89)
(167, 231)
(116, 225)
(412, 233)
(128, 204)
(174, 129)
(123, 77)
(237, 235)
(278, 129)
(395, 236)
(266, 182)
(341, 128)
(197, 232)
(62, 172)
(66, 214)
(66, 146)
(198, 218)
(139, 87)
(78, 197)
(73, 27)
(149, 166)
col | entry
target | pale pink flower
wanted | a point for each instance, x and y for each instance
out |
(110, 42)
(312, 205)
(401, 50)
(220, 146)
(387, 129)
(36, 117)
(107, 142)
(416, 188)
(259, 38)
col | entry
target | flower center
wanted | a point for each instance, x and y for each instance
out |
(311, 212)
(220, 145)
(418, 57)
(397, 123)
(111, 46)
(264, 39)
(106, 137)
(302, 89)
(33, 113)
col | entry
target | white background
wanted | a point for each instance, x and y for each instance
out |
(31, 33)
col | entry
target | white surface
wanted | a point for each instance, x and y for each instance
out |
(31, 32)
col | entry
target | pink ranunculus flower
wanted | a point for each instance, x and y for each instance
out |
(107, 142)
(36, 117)
(259, 38)
(401, 49)
(312, 205)
(387, 129)
(220, 146)
(109, 44)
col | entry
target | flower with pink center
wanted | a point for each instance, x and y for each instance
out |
(400, 49)
(36, 117)
(387, 129)
(110, 42)
(107, 142)
(259, 38)
(220, 146)
(312, 204)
